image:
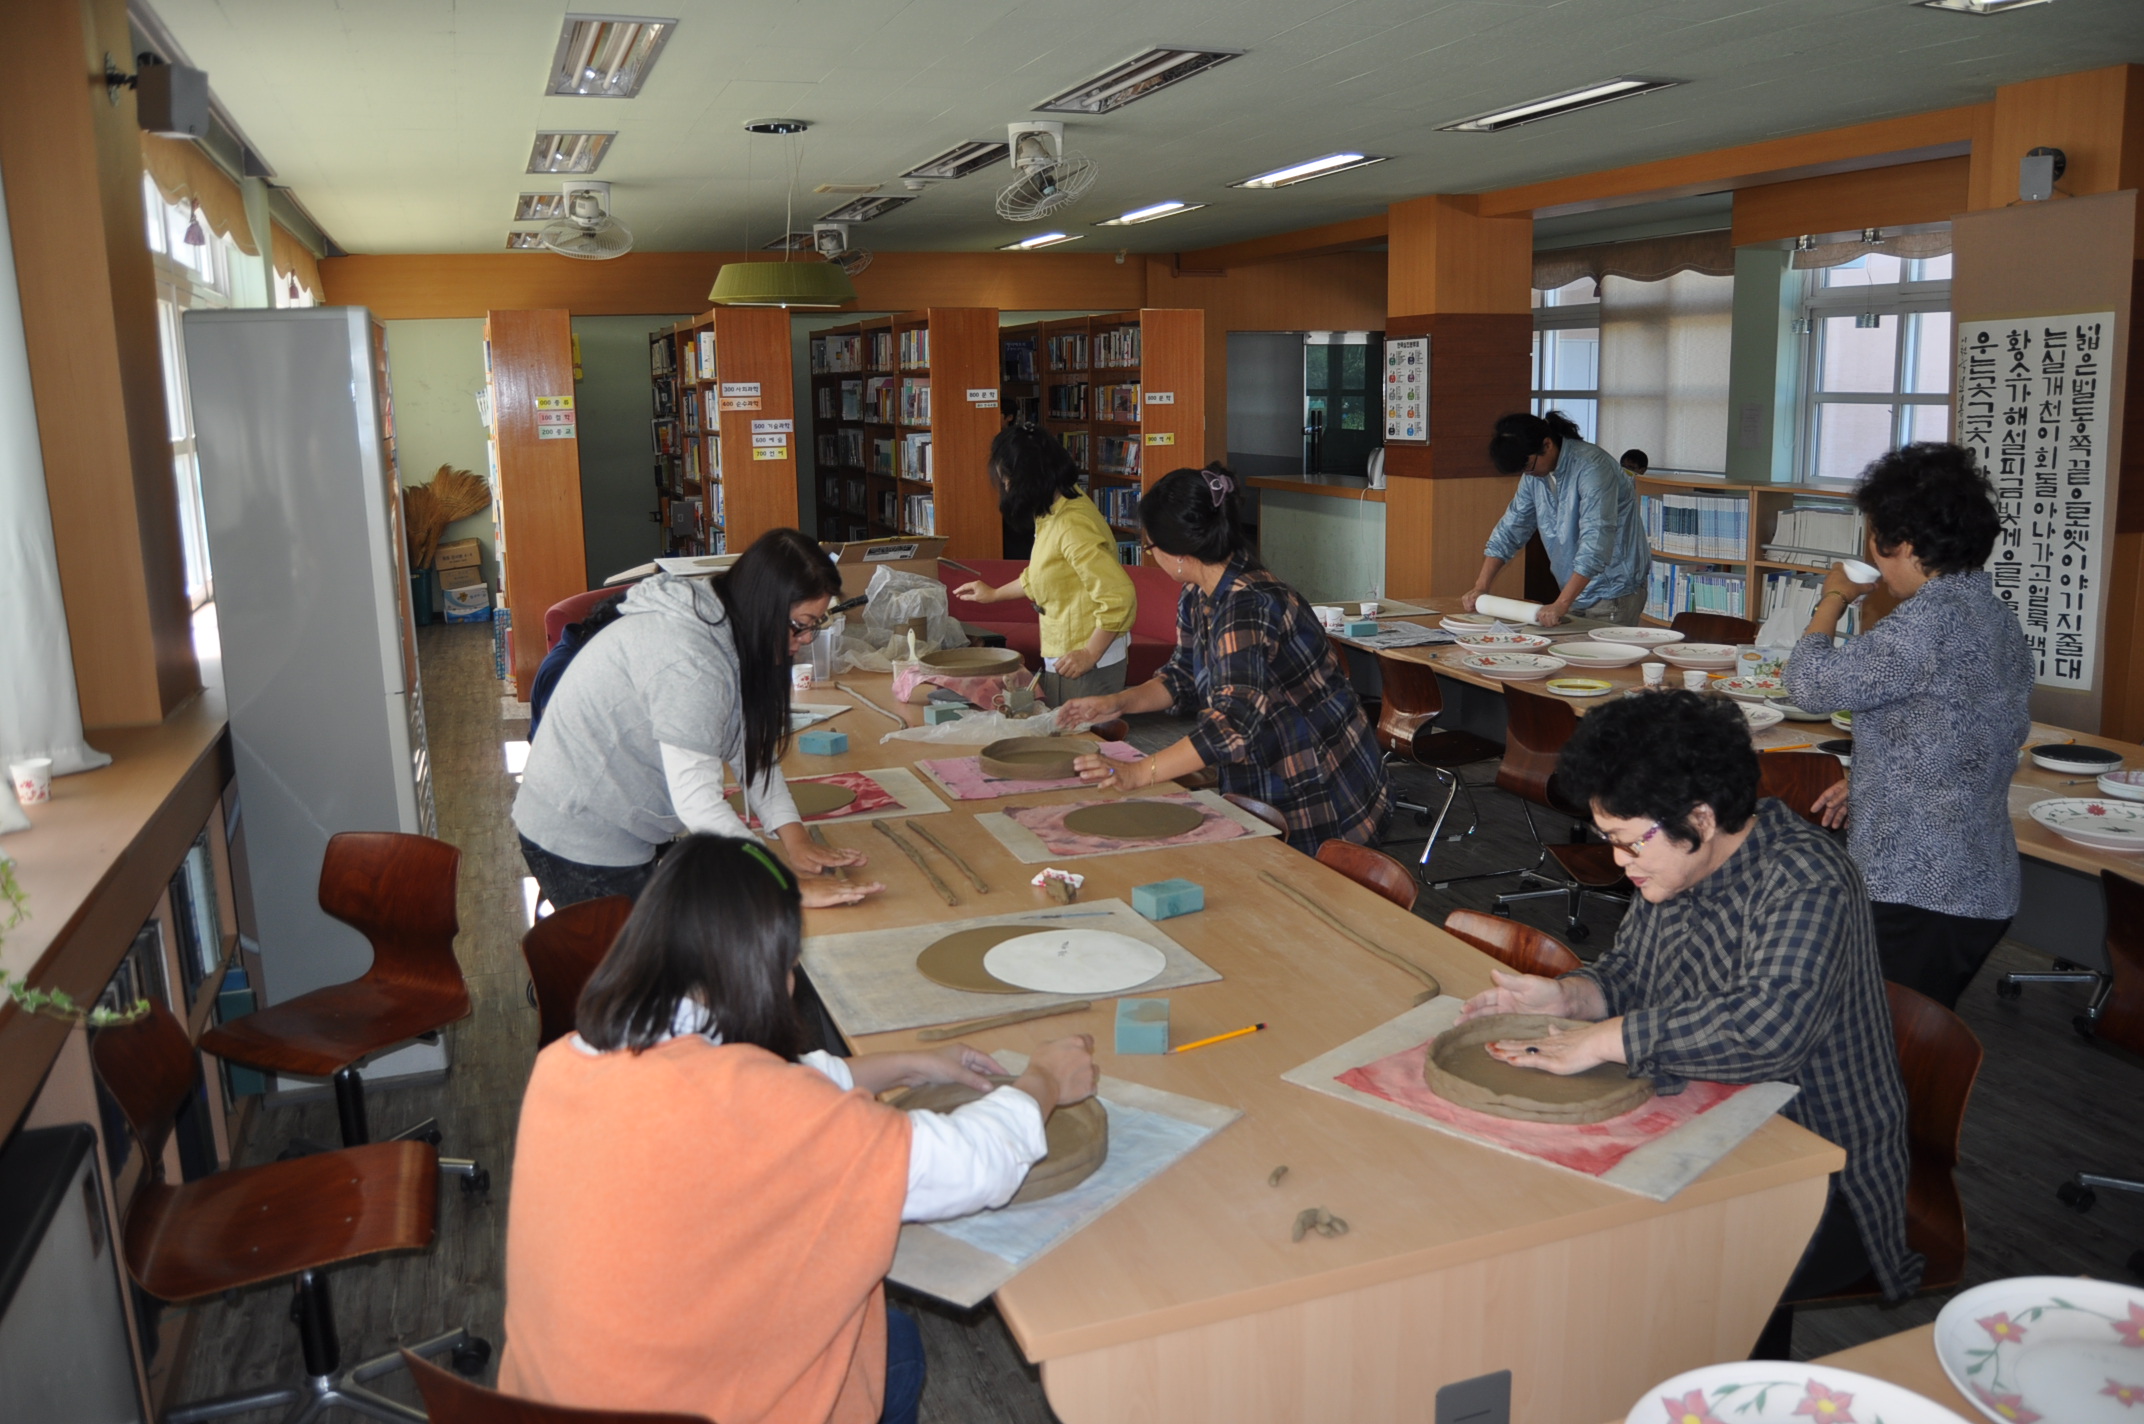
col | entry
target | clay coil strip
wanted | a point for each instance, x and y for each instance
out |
(885, 829)
(938, 1035)
(981, 886)
(1429, 981)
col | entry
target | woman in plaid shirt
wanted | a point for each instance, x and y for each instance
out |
(1277, 717)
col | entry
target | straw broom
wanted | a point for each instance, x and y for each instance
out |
(429, 508)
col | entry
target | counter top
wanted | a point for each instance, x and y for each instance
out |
(1334, 486)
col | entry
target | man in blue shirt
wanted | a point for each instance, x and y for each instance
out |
(1586, 510)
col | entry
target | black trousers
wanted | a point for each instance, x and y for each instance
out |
(1931, 952)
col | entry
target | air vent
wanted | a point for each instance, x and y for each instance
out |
(865, 209)
(539, 207)
(524, 242)
(1134, 79)
(1568, 102)
(606, 56)
(848, 187)
(569, 152)
(958, 161)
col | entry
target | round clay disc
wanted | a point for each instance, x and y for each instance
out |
(973, 662)
(1034, 758)
(1460, 1069)
(1135, 820)
(1078, 1137)
(957, 960)
(1075, 962)
(813, 798)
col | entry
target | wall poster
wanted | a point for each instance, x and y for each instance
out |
(2032, 398)
(1407, 389)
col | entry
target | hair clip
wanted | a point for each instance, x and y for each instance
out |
(767, 860)
(1218, 485)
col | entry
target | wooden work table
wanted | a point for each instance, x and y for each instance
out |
(1190, 1302)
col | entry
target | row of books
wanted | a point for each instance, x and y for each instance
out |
(1815, 534)
(1117, 347)
(916, 402)
(1797, 595)
(1027, 408)
(1068, 351)
(915, 348)
(919, 514)
(1075, 442)
(882, 457)
(703, 414)
(1017, 362)
(1677, 588)
(697, 359)
(1119, 505)
(1068, 401)
(1118, 455)
(833, 354)
(1119, 403)
(662, 355)
(1704, 526)
(697, 470)
(916, 456)
(1128, 552)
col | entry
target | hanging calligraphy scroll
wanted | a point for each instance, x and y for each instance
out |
(2032, 408)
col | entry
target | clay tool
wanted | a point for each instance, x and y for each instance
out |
(1074, 915)
(1048, 1011)
(1217, 1038)
(921, 864)
(1430, 985)
(818, 838)
(869, 703)
(957, 564)
(981, 887)
(1796, 747)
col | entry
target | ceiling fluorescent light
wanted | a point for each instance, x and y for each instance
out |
(1978, 7)
(1040, 239)
(606, 56)
(1135, 78)
(1330, 164)
(539, 207)
(865, 209)
(569, 152)
(958, 161)
(1568, 102)
(524, 241)
(1147, 214)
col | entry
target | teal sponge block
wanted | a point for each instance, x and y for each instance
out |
(937, 712)
(823, 743)
(1165, 898)
(1361, 628)
(1142, 1025)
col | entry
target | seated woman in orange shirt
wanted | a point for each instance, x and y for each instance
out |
(703, 1215)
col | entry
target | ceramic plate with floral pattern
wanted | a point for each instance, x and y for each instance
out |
(1503, 642)
(1640, 637)
(1781, 1392)
(1710, 656)
(1591, 652)
(2091, 821)
(2052, 1348)
(2125, 785)
(1760, 716)
(1511, 667)
(1767, 690)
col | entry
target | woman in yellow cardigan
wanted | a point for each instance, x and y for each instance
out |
(1073, 577)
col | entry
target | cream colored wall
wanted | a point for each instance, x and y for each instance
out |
(437, 368)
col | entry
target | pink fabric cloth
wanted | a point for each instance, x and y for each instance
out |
(965, 778)
(870, 796)
(982, 691)
(1048, 824)
(1592, 1148)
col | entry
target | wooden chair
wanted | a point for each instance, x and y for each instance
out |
(1269, 814)
(1798, 778)
(1715, 628)
(398, 891)
(1522, 948)
(2119, 1020)
(563, 949)
(449, 1399)
(1372, 869)
(1536, 726)
(1407, 731)
(250, 1225)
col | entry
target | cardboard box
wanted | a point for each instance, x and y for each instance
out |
(864, 557)
(467, 605)
(459, 554)
(467, 576)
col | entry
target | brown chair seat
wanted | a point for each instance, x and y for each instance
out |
(1269, 814)
(1522, 948)
(1591, 864)
(1714, 627)
(1371, 869)
(321, 1033)
(449, 1399)
(562, 949)
(1798, 778)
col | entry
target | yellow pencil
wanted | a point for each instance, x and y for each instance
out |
(1218, 1038)
(1796, 747)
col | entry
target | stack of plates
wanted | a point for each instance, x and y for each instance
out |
(2075, 758)
(1713, 657)
(1641, 637)
(1844, 721)
(1588, 652)
(1511, 667)
(2090, 821)
(1465, 623)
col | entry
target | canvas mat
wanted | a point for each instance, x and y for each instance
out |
(1029, 849)
(964, 779)
(964, 1261)
(910, 796)
(1659, 1169)
(870, 983)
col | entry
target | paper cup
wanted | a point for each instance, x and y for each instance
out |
(1330, 615)
(1695, 679)
(32, 780)
(1370, 607)
(800, 677)
(1656, 674)
(1860, 572)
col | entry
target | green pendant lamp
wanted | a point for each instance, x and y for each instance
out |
(816, 284)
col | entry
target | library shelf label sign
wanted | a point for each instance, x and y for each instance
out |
(770, 452)
(1161, 398)
(740, 395)
(776, 440)
(1407, 390)
(773, 427)
(2032, 408)
(1161, 437)
(554, 402)
(983, 396)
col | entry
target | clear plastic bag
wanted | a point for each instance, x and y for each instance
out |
(979, 729)
(894, 601)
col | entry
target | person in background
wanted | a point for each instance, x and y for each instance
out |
(1073, 578)
(1938, 689)
(1277, 717)
(1636, 463)
(703, 1214)
(1749, 956)
(1586, 512)
(692, 676)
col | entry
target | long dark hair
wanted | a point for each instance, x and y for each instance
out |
(719, 922)
(783, 567)
(1032, 470)
(1518, 438)
(1198, 514)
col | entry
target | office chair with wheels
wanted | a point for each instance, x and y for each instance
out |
(1536, 728)
(1407, 731)
(1522, 948)
(398, 891)
(250, 1225)
(2120, 1021)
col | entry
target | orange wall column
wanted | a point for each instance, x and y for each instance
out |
(1464, 281)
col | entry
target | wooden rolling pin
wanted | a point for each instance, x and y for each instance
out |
(1050, 1011)
(1429, 980)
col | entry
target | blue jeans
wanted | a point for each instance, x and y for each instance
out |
(904, 1368)
(568, 882)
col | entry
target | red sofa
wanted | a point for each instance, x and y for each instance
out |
(1153, 629)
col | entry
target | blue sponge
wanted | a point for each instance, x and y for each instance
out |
(1361, 628)
(823, 743)
(1142, 1025)
(938, 712)
(1166, 898)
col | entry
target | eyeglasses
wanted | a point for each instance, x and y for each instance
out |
(809, 626)
(1632, 848)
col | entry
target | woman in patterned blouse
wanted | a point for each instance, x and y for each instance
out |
(1277, 717)
(1938, 690)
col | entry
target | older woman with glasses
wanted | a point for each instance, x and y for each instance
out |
(692, 677)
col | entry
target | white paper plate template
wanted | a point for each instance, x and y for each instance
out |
(1075, 962)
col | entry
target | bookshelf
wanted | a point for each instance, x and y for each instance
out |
(903, 412)
(534, 450)
(723, 429)
(1125, 392)
(1739, 549)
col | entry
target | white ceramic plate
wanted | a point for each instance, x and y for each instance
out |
(2091, 821)
(2123, 785)
(1767, 690)
(1844, 721)
(1579, 687)
(1797, 714)
(1464, 623)
(1780, 1392)
(1760, 716)
(2076, 760)
(1075, 962)
(1592, 653)
(1502, 642)
(1712, 657)
(1512, 667)
(1642, 637)
(2053, 1348)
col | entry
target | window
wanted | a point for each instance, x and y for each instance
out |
(188, 274)
(1567, 354)
(1878, 353)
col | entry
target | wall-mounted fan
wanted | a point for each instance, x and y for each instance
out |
(831, 241)
(587, 230)
(1050, 178)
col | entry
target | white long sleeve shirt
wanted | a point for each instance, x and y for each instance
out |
(695, 782)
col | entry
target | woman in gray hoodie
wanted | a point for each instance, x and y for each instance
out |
(693, 676)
